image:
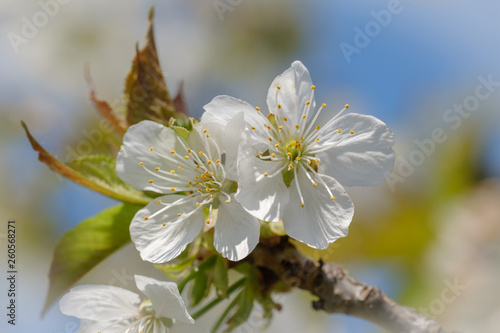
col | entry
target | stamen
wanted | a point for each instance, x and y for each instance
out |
(180, 168)
(157, 168)
(172, 152)
(151, 148)
(164, 224)
(150, 181)
(257, 108)
(352, 132)
(159, 202)
(298, 188)
(141, 163)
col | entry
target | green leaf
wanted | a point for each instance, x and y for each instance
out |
(145, 88)
(221, 279)
(203, 280)
(89, 243)
(94, 172)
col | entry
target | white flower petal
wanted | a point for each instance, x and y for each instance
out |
(158, 243)
(295, 89)
(365, 158)
(322, 220)
(136, 149)
(100, 303)
(165, 297)
(267, 198)
(90, 326)
(223, 108)
(187, 328)
(232, 136)
(236, 231)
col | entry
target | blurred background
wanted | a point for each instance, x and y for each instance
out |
(429, 236)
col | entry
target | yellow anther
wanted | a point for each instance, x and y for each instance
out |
(285, 119)
(265, 174)
(352, 132)
(186, 157)
(279, 106)
(207, 189)
(309, 162)
(157, 168)
(190, 183)
(317, 160)
(172, 152)
(199, 190)
(227, 201)
(302, 205)
(207, 221)
(347, 106)
(197, 177)
(159, 202)
(180, 168)
(289, 154)
(302, 138)
(141, 163)
(297, 126)
(318, 127)
(313, 86)
(279, 141)
(150, 181)
(323, 105)
(217, 162)
(277, 145)
(297, 158)
(273, 155)
(197, 183)
(212, 196)
(208, 135)
(189, 150)
(257, 108)
(197, 166)
(206, 172)
(315, 184)
(304, 117)
(146, 218)
(339, 130)
(270, 139)
(280, 127)
(204, 131)
(332, 198)
(198, 204)
(151, 148)
(253, 127)
(290, 166)
(209, 162)
(211, 174)
(201, 153)
(317, 140)
(179, 214)
(278, 87)
(268, 127)
(173, 189)
(164, 224)
(261, 153)
(172, 171)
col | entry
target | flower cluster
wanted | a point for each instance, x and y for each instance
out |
(236, 168)
(287, 166)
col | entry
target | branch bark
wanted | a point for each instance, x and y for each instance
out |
(338, 291)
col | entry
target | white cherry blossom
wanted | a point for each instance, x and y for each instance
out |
(292, 167)
(109, 309)
(192, 174)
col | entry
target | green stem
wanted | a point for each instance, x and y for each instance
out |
(224, 315)
(216, 301)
